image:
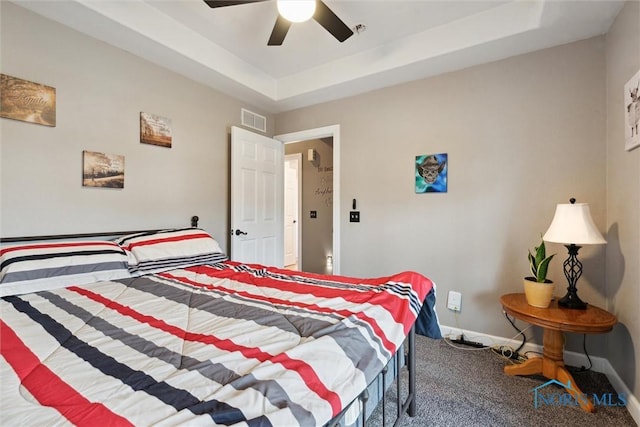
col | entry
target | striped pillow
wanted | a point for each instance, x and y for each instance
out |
(164, 250)
(43, 266)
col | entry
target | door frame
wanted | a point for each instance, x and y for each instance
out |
(332, 131)
(298, 158)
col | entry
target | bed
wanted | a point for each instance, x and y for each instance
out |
(160, 328)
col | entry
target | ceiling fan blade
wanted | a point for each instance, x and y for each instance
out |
(223, 3)
(330, 21)
(279, 31)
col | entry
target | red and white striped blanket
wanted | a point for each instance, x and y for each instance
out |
(227, 344)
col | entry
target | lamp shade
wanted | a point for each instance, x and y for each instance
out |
(296, 10)
(572, 223)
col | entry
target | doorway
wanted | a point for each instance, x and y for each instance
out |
(316, 218)
(292, 210)
(332, 132)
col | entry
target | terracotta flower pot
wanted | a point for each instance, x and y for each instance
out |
(538, 294)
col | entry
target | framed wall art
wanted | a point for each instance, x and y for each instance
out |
(431, 173)
(632, 112)
(155, 130)
(102, 170)
(27, 101)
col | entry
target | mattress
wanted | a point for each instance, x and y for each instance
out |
(220, 344)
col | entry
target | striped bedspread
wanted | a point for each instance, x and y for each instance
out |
(225, 344)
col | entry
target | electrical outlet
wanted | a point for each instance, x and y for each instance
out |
(454, 301)
(354, 216)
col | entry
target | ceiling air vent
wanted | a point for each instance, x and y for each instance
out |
(253, 120)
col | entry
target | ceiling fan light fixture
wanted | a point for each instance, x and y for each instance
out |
(296, 10)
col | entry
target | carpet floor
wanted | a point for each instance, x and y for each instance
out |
(469, 388)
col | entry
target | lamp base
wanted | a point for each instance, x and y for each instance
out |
(572, 271)
(571, 300)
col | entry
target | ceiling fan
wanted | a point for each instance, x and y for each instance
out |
(316, 9)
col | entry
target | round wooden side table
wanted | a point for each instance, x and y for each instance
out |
(555, 320)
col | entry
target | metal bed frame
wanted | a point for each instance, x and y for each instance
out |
(194, 224)
(407, 406)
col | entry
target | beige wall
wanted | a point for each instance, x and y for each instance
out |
(623, 201)
(101, 91)
(317, 195)
(522, 135)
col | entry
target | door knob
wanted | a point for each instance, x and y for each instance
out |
(240, 232)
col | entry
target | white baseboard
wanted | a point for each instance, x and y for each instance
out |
(571, 358)
(633, 404)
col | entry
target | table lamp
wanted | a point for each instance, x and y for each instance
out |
(573, 226)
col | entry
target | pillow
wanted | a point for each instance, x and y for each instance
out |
(43, 266)
(154, 252)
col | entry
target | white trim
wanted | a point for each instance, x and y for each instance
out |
(600, 364)
(298, 158)
(332, 131)
(633, 404)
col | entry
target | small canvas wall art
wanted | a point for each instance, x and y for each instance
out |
(102, 170)
(27, 101)
(431, 173)
(632, 112)
(155, 130)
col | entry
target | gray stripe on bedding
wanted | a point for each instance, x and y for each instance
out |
(212, 302)
(357, 348)
(44, 273)
(250, 381)
(213, 371)
(177, 262)
(349, 339)
(402, 289)
(325, 283)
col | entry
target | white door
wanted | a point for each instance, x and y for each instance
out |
(291, 207)
(257, 189)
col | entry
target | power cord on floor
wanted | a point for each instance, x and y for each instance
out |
(460, 340)
(509, 353)
(505, 351)
(515, 355)
(524, 338)
(463, 342)
(584, 347)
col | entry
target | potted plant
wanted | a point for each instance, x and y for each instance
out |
(537, 288)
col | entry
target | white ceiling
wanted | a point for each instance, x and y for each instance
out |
(226, 48)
